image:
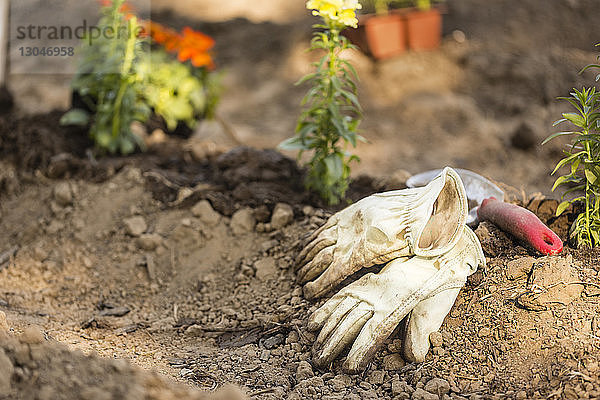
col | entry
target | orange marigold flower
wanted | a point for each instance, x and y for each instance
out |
(189, 44)
(163, 35)
(194, 46)
(197, 40)
(197, 58)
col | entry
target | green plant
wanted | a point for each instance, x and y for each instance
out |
(107, 81)
(583, 159)
(122, 81)
(175, 93)
(332, 111)
(378, 7)
(423, 4)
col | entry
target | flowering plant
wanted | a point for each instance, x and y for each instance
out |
(122, 82)
(330, 121)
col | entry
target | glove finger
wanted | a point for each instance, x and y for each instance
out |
(335, 317)
(425, 318)
(313, 248)
(318, 318)
(344, 334)
(369, 340)
(316, 266)
(331, 277)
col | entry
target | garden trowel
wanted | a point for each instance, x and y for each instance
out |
(486, 202)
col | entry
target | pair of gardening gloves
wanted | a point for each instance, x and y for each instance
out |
(421, 236)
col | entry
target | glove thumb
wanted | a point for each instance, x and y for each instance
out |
(427, 317)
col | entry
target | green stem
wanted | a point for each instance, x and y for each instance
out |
(587, 192)
(125, 71)
(334, 38)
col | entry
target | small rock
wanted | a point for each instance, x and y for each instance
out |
(3, 322)
(262, 213)
(340, 382)
(266, 268)
(437, 386)
(484, 332)
(522, 395)
(273, 341)
(268, 245)
(149, 241)
(519, 268)
(135, 226)
(63, 194)
(438, 351)
(420, 394)
(377, 377)
(118, 311)
(6, 372)
(264, 355)
(194, 331)
(32, 335)
(400, 387)
(436, 339)
(283, 214)
(243, 221)
(304, 371)
(186, 222)
(308, 211)
(393, 362)
(204, 211)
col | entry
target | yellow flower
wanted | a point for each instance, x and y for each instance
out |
(348, 18)
(352, 5)
(341, 11)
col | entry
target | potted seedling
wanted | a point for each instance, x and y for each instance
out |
(380, 33)
(424, 26)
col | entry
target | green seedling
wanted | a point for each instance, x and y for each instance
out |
(582, 159)
(332, 111)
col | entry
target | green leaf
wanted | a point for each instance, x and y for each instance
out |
(562, 207)
(575, 119)
(335, 166)
(75, 117)
(294, 143)
(574, 166)
(590, 176)
(561, 180)
(565, 161)
(557, 134)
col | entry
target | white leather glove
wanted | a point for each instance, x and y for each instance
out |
(423, 221)
(367, 311)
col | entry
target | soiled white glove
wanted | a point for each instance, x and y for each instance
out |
(367, 311)
(423, 221)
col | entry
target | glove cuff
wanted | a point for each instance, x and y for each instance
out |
(443, 208)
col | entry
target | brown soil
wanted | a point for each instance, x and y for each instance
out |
(122, 258)
(121, 262)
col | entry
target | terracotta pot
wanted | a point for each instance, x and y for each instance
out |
(381, 36)
(424, 29)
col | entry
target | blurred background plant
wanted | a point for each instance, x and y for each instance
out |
(332, 111)
(383, 6)
(583, 160)
(152, 69)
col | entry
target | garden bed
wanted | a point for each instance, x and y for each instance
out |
(115, 257)
(120, 258)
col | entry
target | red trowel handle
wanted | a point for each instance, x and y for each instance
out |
(521, 223)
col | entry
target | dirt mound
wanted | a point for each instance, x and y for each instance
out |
(210, 298)
(32, 368)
